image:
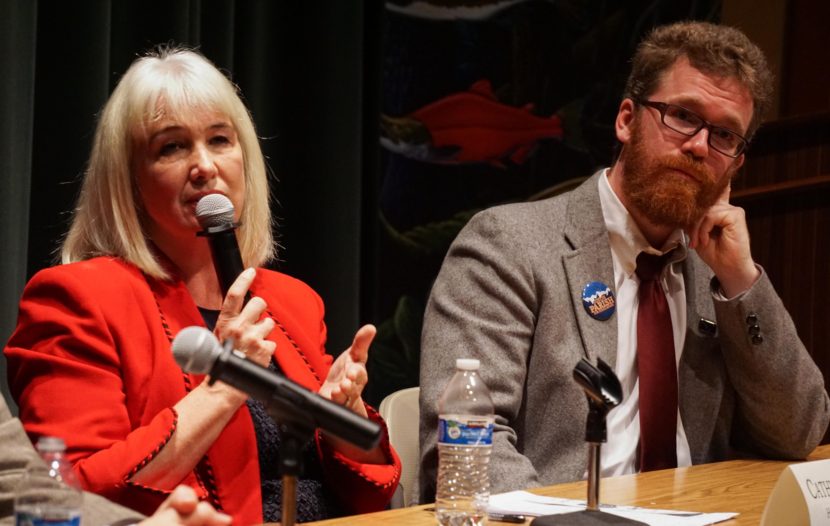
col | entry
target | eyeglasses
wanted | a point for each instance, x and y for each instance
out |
(688, 123)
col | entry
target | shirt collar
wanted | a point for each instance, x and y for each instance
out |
(626, 238)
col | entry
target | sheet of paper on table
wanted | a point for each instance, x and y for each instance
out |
(525, 503)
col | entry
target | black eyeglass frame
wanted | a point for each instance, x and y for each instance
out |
(662, 107)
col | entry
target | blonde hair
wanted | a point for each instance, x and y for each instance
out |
(108, 218)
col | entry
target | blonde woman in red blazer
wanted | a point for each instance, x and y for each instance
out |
(90, 360)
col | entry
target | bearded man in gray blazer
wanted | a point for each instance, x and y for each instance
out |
(518, 289)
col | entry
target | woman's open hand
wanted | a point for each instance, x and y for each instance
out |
(347, 376)
(344, 385)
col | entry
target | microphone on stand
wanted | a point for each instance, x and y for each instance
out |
(604, 393)
(215, 215)
(197, 350)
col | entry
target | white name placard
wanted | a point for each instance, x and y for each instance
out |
(801, 496)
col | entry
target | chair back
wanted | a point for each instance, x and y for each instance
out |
(402, 414)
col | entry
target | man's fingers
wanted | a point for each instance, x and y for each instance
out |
(724, 196)
(703, 232)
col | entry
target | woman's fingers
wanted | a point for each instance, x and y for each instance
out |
(235, 298)
(249, 315)
(348, 390)
(253, 309)
(234, 312)
(251, 340)
(244, 322)
(235, 326)
(355, 377)
(348, 376)
(360, 345)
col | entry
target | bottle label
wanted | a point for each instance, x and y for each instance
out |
(22, 518)
(464, 430)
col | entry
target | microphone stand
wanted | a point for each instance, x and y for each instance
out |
(603, 390)
(593, 473)
(296, 430)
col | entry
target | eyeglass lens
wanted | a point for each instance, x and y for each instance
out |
(688, 123)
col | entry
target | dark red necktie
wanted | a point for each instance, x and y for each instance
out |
(656, 368)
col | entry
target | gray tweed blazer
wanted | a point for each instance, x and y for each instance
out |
(16, 452)
(510, 294)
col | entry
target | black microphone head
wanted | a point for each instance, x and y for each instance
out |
(214, 210)
(196, 349)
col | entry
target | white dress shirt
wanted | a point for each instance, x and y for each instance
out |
(620, 453)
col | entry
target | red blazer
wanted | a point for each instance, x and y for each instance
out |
(90, 361)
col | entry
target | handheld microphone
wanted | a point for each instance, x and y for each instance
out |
(215, 215)
(197, 350)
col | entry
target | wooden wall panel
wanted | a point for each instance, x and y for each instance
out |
(805, 75)
(785, 190)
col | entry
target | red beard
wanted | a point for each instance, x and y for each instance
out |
(660, 193)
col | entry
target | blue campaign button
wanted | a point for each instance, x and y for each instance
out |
(598, 300)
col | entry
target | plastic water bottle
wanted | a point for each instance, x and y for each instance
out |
(49, 495)
(465, 440)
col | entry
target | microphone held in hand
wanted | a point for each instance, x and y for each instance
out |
(215, 215)
(197, 350)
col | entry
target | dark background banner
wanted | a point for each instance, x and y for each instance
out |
(368, 195)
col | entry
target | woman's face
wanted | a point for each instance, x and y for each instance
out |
(182, 159)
